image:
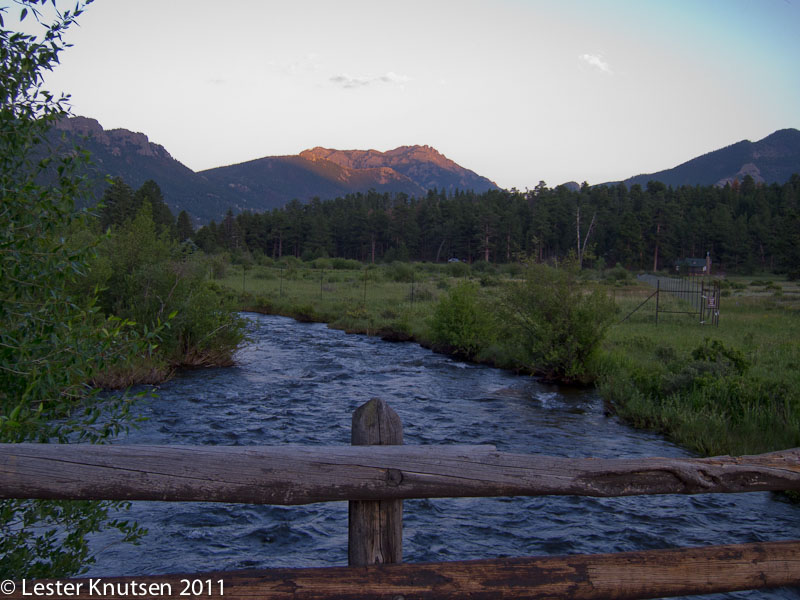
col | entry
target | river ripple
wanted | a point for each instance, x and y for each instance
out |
(299, 384)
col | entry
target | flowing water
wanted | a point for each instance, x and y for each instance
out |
(299, 383)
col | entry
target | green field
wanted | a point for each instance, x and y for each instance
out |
(731, 389)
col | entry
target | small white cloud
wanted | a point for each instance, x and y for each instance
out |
(349, 82)
(596, 61)
(391, 77)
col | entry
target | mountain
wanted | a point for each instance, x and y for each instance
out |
(131, 156)
(327, 173)
(264, 183)
(423, 165)
(771, 160)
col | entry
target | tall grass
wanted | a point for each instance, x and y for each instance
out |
(666, 377)
(660, 376)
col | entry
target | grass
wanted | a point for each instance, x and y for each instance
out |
(652, 376)
(366, 301)
(681, 378)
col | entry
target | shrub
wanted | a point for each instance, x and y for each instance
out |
(618, 273)
(457, 269)
(399, 271)
(343, 264)
(513, 269)
(461, 323)
(149, 282)
(554, 325)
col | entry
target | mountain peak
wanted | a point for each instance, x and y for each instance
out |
(772, 159)
(264, 183)
(424, 165)
(115, 139)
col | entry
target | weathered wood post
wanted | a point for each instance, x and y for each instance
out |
(375, 532)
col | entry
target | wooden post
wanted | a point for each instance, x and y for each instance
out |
(375, 532)
(658, 294)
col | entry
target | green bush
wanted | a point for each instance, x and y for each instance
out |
(53, 340)
(150, 282)
(513, 269)
(554, 325)
(457, 269)
(400, 272)
(461, 323)
(345, 264)
(618, 273)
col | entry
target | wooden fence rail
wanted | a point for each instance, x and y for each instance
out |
(375, 479)
(625, 575)
(288, 475)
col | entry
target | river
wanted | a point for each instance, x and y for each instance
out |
(297, 383)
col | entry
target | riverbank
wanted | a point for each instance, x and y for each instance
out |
(300, 383)
(732, 389)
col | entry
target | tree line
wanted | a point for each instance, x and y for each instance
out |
(746, 226)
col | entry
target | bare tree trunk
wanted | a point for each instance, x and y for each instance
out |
(578, 235)
(439, 251)
(655, 253)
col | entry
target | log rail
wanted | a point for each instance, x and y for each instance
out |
(375, 479)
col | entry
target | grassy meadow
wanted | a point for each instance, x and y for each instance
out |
(731, 389)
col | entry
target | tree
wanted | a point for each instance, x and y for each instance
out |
(184, 226)
(553, 324)
(118, 204)
(162, 215)
(52, 341)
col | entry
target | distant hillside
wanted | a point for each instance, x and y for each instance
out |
(423, 165)
(771, 160)
(123, 153)
(327, 173)
(264, 183)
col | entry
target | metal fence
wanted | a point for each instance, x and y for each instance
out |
(696, 297)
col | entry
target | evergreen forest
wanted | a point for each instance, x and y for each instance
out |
(746, 227)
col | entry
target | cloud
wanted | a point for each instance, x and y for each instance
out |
(348, 82)
(596, 61)
(391, 77)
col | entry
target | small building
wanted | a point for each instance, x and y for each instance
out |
(694, 267)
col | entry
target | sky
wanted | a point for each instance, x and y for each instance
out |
(519, 91)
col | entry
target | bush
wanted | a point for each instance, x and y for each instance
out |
(513, 269)
(53, 341)
(150, 282)
(618, 273)
(461, 323)
(554, 326)
(457, 269)
(345, 264)
(400, 272)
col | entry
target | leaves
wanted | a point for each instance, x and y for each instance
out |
(52, 341)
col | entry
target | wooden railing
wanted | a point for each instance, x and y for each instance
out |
(375, 479)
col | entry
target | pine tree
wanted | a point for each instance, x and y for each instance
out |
(184, 226)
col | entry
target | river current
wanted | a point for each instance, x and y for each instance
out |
(297, 383)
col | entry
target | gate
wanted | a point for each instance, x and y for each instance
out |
(699, 298)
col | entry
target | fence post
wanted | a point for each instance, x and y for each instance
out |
(375, 531)
(658, 296)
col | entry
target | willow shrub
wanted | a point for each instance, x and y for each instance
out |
(146, 277)
(462, 322)
(52, 341)
(553, 325)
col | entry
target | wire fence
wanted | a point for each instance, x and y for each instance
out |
(696, 297)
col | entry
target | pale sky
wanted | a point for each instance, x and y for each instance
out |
(517, 90)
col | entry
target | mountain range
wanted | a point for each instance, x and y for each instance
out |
(273, 181)
(264, 183)
(771, 160)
